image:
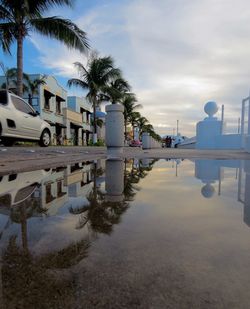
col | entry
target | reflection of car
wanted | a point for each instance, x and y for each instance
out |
(19, 121)
(135, 143)
(16, 188)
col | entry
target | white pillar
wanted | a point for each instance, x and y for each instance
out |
(146, 144)
(114, 136)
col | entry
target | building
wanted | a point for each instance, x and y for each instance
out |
(69, 116)
(100, 116)
(50, 101)
(77, 119)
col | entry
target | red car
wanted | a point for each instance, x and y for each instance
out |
(135, 143)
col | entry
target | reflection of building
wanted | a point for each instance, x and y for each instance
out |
(52, 192)
(210, 171)
(39, 202)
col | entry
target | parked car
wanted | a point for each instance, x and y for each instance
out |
(135, 143)
(19, 121)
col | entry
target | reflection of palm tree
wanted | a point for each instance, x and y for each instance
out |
(22, 212)
(28, 280)
(27, 283)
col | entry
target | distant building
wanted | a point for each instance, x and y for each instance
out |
(101, 127)
(78, 120)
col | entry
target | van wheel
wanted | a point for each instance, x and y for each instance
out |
(45, 138)
(7, 142)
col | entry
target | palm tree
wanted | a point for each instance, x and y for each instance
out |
(94, 77)
(132, 118)
(19, 17)
(31, 86)
(116, 89)
(143, 124)
(10, 77)
(128, 101)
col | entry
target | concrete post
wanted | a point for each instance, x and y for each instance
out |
(114, 136)
(146, 140)
(208, 129)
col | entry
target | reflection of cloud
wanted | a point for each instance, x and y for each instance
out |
(175, 56)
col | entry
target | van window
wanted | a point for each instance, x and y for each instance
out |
(21, 105)
(3, 97)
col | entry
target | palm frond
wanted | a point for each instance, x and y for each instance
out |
(7, 36)
(63, 30)
(77, 82)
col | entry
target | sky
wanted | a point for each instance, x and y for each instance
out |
(176, 54)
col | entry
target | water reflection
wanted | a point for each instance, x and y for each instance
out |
(36, 225)
(50, 219)
(211, 172)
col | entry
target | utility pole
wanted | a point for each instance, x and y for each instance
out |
(177, 127)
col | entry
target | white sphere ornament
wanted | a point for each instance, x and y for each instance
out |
(211, 108)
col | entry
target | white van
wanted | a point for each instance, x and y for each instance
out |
(19, 121)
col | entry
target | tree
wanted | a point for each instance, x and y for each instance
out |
(128, 101)
(31, 86)
(19, 17)
(94, 78)
(133, 117)
(116, 89)
(10, 77)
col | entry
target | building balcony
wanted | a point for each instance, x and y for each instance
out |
(72, 116)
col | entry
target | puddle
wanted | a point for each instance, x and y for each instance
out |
(134, 234)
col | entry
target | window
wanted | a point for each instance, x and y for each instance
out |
(46, 102)
(58, 105)
(24, 193)
(3, 97)
(21, 105)
(49, 197)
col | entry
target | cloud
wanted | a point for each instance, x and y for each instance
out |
(177, 54)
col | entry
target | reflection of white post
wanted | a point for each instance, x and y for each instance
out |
(114, 183)
(146, 140)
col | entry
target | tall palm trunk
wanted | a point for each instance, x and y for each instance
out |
(20, 65)
(94, 118)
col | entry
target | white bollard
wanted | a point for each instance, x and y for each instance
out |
(146, 140)
(114, 136)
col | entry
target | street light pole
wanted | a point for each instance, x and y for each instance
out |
(177, 127)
